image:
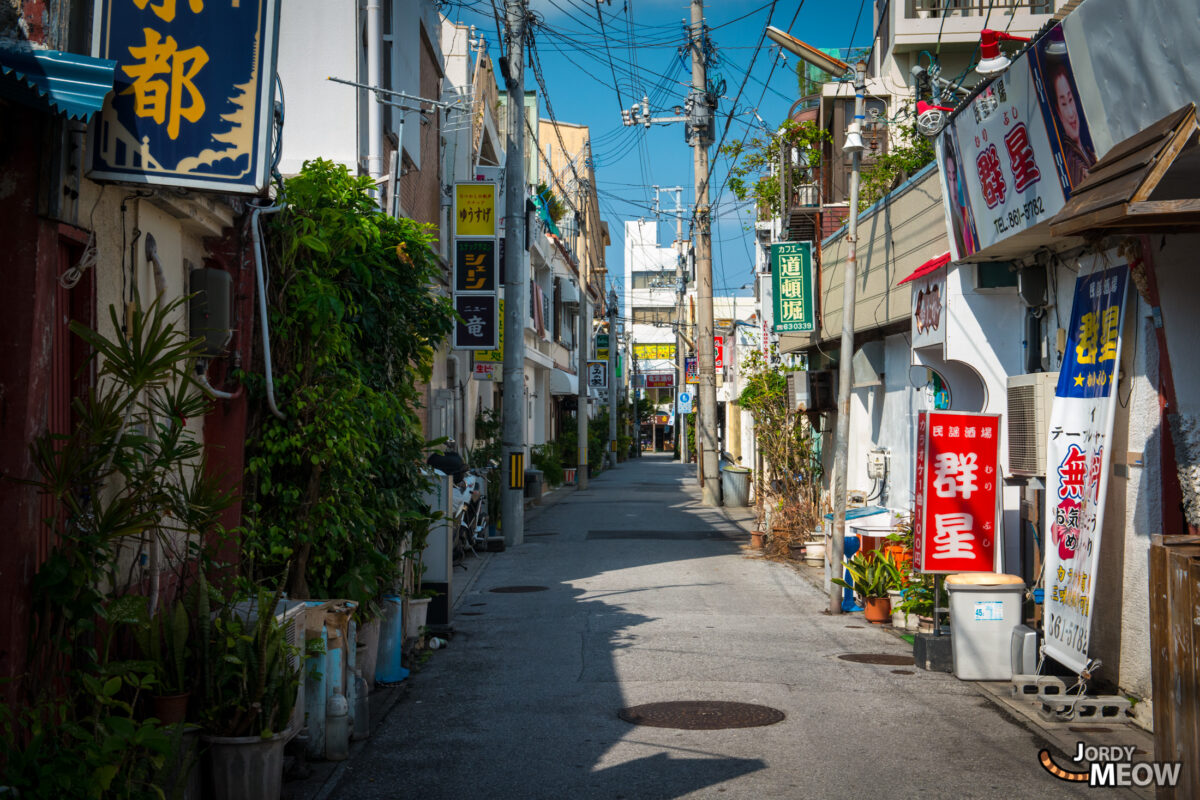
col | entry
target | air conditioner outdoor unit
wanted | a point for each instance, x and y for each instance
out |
(814, 390)
(290, 614)
(1030, 398)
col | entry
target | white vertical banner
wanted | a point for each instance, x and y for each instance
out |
(1078, 455)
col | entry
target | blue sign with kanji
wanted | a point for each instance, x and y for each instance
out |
(192, 102)
(1089, 363)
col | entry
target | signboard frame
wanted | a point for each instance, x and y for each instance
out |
(597, 374)
(793, 280)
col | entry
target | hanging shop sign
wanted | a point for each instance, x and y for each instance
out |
(597, 374)
(475, 265)
(475, 209)
(660, 380)
(602, 346)
(654, 352)
(767, 308)
(495, 355)
(792, 287)
(957, 493)
(486, 371)
(1010, 159)
(191, 105)
(691, 370)
(1078, 453)
(929, 309)
(478, 327)
(719, 352)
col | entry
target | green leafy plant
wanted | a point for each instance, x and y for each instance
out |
(889, 170)
(252, 674)
(547, 458)
(755, 171)
(336, 484)
(873, 575)
(163, 640)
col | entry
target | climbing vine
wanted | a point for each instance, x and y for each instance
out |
(334, 485)
(897, 165)
(754, 174)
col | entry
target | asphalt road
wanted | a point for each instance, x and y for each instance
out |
(649, 597)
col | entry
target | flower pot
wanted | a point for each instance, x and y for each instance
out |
(912, 623)
(171, 709)
(368, 651)
(924, 624)
(245, 767)
(898, 616)
(180, 777)
(414, 616)
(877, 610)
(758, 540)
(901, 556)
(814, 552)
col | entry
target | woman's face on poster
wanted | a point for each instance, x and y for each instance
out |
(952, 172)
(1068, 113)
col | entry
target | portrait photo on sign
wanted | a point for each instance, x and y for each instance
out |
(958, 203)
(1070, 137)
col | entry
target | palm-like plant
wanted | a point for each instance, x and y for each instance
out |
(873, 575)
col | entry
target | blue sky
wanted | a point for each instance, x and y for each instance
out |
(597, 58)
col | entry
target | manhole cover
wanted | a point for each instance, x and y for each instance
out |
(701, 715)
(855, 627)
(477, 605)
(470, 613)
(885, 659)
(902, 672)
(517, 589)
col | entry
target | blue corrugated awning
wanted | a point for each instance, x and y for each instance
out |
(65, 83)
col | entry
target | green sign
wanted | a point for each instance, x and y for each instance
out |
(602, 346)
(793, 288)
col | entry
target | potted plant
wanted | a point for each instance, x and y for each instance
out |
(873, 575)
(899, 544)
(416, 606)
(250, 676)
(163, 641)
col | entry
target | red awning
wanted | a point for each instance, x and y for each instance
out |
(928, 267)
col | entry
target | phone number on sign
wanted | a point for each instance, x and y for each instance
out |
(1073, 635)
(1021, 214)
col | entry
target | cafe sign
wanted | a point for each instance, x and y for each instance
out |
(792, 287)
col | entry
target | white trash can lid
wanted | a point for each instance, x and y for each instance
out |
(983, 579)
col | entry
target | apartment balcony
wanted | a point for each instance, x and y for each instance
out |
(918, 24)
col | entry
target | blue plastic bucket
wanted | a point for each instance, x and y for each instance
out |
(391, 641)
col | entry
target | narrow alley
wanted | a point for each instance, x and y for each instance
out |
(637, 593)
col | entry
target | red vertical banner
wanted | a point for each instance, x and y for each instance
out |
(955, 519)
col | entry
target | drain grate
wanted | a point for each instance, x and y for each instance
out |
(546, 533)
(701, 715)
(470, 613)
(517, 589)
(855, 627)
(886, 659)
(903, 672)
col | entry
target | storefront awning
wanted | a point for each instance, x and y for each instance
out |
(62, 83)
(1147, 182)
(562, 382)
(926, 268)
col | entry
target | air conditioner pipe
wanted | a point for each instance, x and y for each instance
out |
(256, 238)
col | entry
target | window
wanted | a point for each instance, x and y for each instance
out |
(654, 314)
(653, 280)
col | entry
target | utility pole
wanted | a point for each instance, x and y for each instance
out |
(581, 405)
(612, 378)
(516, 282)
(680, 318)
(854, 146)
(706, 440)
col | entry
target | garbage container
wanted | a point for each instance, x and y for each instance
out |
(735, 485)
(984, 609)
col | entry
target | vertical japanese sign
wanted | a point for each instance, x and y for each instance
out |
(191, 105)
(477, 329)
(999, 153)
(792, 286)
(691, 370)
(602, 345)
(767, 308)
(958, 457)
(929, 309)
(494, 356)
(475, 267)
(1077, 460)
(597, 374)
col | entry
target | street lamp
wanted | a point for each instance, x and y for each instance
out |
(853, 146)
(992, 61)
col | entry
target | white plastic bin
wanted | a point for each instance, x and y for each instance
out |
(984, 609)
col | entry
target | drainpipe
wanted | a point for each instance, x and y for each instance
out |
(262, 302)
(375, 79)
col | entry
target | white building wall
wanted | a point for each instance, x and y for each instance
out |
(320, 115)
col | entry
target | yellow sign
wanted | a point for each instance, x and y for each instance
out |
(654, 352)
(475, 209)
(497, 355)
